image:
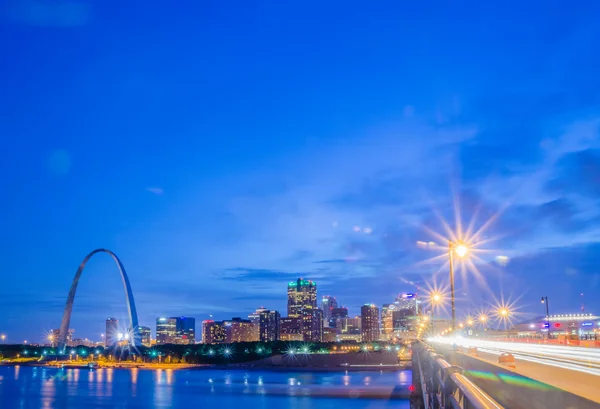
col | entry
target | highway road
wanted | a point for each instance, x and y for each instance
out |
(573, 369)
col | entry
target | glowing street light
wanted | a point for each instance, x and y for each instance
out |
(436, 298)
(470, 322)
(3, 337)
(483, 318)
(461, 250)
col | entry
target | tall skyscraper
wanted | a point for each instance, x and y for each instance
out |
(166, 330)
(387, 321)
(369, 314)
(269, 326)
(406, 311)
(312, 324)
(328, 303)
(408, 301)
(145, 335)
(301, 293)
(186, 330)
(112, 332)
(213, 332)
(255, 318)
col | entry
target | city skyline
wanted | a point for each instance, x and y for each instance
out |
(178, 332)
(324, 145)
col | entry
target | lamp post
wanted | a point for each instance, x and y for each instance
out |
(435, 299)
(461, 250)
(545, 301)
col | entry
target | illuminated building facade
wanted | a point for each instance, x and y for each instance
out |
(54, 337)
(329, 334)
(301, 293)
(112, 332)
(369, 315)
(145, 334)
(408, 301)
(239, 330)
(290, 329)
(213, 332)
(387, 321)
(166, 330)
(328, 303)
(255, 318)
(269, 326)
(186, 330)
(337, 314)
(312, 324)
(583, 325)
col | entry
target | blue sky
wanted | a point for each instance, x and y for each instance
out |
(221, 149)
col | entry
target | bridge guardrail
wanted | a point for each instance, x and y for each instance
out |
(444, 386)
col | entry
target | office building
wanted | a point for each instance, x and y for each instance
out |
(337, 314)
(213, 332)
(387, 321)
(239, 330)
(328, 303)
(166, 330)
(349, 329)
(369, 314)
(255, 318)
(55, 335)
(186, 330)
(112, 332)
(312, 324)
(408, 301)
(329, 334)
(81, 342)
(145, 334)
(403, 320)
(269, 326)
(301, 293)
(290, 329)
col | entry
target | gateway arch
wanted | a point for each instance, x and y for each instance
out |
(66, 319)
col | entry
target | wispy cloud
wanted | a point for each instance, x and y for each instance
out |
(156, 190)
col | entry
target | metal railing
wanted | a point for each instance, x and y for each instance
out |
(444, 386)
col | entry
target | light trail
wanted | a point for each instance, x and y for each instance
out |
(571, 358)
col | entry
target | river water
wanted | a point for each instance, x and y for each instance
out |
(39, 387)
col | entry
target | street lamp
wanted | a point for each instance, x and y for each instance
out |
(461, 250)
(483, 318)
(545, 301)
(3, 337)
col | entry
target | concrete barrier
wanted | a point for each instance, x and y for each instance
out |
(472, 351)
(511, 389)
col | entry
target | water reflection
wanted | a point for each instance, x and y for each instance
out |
(49, 388)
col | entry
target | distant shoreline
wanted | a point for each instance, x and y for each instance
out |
(246, 367)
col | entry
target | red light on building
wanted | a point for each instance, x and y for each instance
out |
(557, 325)
(411, 388)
